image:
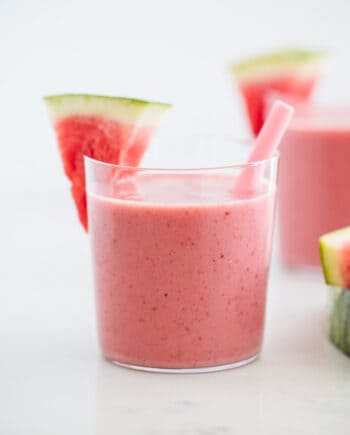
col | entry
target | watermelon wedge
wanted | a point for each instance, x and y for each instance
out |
(335, 257)
(110, 129)
(294, 72)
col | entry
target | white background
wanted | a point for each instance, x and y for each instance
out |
(175, 51)
(52, 379)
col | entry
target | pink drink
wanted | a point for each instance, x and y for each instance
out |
(314, 181)
(181, 268)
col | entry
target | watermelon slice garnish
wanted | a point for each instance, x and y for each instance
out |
(335, 257)
(110, 129)
(294, 72)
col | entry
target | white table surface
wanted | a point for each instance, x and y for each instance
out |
(53, 380)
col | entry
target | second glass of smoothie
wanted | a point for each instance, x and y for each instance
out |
(314, 180)
(181, 264)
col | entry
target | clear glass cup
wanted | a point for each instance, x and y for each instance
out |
(181, 263)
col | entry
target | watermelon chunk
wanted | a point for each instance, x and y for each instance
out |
(110, 129)
(294, 72)
(335, 257)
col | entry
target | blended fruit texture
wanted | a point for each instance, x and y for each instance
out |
(314, 180)
(181, 270)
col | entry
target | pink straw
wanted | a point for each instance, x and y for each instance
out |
(266, 144)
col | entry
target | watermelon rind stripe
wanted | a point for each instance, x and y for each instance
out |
(278, 62)
(339, 318)
(126, 110)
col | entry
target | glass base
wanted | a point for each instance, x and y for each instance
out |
(187, 370)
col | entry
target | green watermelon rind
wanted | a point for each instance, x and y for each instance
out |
(330, 245)
(126, 110)
(283, 60)
(339, 318)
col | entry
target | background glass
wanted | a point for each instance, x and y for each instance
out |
(314, 180)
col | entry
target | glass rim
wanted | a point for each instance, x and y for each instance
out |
(258, 163)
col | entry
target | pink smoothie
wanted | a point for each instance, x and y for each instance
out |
(314, 182)
(181, 269)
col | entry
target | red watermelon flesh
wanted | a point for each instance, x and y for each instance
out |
(254, 95)
(302, 107)
(292, 72)
(110, 129)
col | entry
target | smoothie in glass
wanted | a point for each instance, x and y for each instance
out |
(181, 265)
(314, 180)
